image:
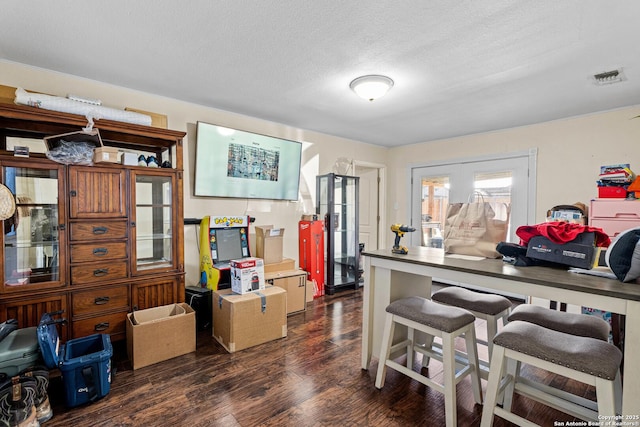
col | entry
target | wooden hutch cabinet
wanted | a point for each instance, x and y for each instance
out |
(93, 241)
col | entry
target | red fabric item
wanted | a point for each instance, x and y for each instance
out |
(560, 232)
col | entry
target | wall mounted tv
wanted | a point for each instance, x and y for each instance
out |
(235, 163)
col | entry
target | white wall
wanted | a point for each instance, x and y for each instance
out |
(570, 153)
(319, 152)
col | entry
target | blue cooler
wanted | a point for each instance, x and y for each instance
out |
(85, 363)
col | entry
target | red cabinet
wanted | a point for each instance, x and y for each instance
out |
(311, 253)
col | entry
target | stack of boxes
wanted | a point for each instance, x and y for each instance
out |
(614, 180)
(264, 290)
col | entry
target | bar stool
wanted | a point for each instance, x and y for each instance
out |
(489, 307)
(421, 314)
(582, 325)
(588, 360)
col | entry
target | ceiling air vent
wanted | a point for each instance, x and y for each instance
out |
(609, 77)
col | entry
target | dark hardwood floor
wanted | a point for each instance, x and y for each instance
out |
(310, 378)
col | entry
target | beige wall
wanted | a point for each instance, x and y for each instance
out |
(319, 151)
(570, 153)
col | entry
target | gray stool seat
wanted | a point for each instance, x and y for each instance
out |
(429, 313)
(470, 300)
(584, 354)
(581, 325)
(488, 307)
(585, 359)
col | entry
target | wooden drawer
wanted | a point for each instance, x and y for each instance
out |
(100, 300)
(98, 272)
(112, 324)
(87, 252)
(613, 227)
(615, 208)
(94, 231)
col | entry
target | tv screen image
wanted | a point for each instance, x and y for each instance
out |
(228, 244)
(235, 163)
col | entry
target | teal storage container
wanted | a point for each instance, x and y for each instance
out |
(19, 350)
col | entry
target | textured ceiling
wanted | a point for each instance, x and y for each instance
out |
(459, 67)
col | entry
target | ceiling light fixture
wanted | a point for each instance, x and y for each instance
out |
(371, 87)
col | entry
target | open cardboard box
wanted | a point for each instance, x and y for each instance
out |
(160, 333)
(269, 242)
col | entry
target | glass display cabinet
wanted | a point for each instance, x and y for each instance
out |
(95, 241)
(153, 219)
(32, 239)
(337, 203)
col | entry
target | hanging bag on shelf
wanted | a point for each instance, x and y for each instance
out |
(471, 228)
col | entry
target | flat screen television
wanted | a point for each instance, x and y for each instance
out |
(235, 163)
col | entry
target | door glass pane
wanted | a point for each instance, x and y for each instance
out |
(495, 188)
(435, 199)
(31, 238)
(153, 222)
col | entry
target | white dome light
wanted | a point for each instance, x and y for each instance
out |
(371, 87)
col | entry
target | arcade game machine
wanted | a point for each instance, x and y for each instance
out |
(222, 238)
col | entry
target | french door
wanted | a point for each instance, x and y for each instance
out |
(507, 182)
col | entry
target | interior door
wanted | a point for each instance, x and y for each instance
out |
(369, 215)
(506, 183)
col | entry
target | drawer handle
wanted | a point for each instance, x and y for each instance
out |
(101, 272)
(100, 230)
(101, 327)
(101, 300)
(100, 251)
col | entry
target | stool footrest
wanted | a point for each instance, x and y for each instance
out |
(566, 404)
(416, 376)
(460, 356)
(515, 419)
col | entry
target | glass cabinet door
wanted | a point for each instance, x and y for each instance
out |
(153, 220)
(32, 242)
(338, 205)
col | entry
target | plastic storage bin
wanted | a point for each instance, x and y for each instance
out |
(85, 363)
(19, 350)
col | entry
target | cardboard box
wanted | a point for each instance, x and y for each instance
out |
(285, 264)
(580, 252)
(56, 143)
(243, 321)
(157, 120)
(247, 275)
(105, 155)
(310, 291)
(129, 159)
(295, 283)
(160, 333)
(269, 243)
